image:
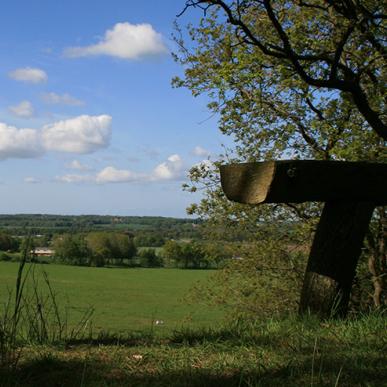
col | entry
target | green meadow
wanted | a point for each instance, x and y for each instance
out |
(192, 348)
(123, 299)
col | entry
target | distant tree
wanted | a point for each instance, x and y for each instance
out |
(149, 239)
(4, 256)
(7, 242)
(110, 246)
(122, 247)
(72, 249)
(192, 256)
(171, 253)
(100, 246)
(149, 258)
(184, 254)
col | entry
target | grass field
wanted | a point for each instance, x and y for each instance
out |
(276, 352)
(123, 299)
(192, 348)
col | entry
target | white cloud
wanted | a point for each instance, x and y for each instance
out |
(31, 180)
(200, 151)
(73, 178)
(19, 143)
(113, 175)
(172, 169)
(28, 74)
(64, 99)
(23, 109)
(125, 41)
(75, 164)
(82, 134)
(169, 170)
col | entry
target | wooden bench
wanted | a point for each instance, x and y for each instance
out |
(350, 190)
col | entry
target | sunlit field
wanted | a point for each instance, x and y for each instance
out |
(122, 299)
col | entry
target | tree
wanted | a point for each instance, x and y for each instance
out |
(184, 254)
(332, 45)
(149, 258)
(172, 253)
(110, 246)
(72, 248)
(288, 79)
(7, 242)
(122, 247)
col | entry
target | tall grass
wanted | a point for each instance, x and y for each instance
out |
(31, 314)
(11, 315)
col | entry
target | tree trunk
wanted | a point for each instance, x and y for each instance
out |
(378, 257)
(333, 258)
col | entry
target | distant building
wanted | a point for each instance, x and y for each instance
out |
(43, 252)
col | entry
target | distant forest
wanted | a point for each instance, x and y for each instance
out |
(22, 224)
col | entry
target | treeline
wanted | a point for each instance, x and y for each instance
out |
(102, 248)
(94, 249)
(49, 225)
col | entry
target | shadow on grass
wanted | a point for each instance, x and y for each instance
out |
(50, 371)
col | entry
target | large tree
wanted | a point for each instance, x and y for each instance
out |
(290, 79)
(336, 45)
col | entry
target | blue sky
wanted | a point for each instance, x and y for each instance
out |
(89, 122)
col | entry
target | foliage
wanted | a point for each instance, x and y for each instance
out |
(149, 258)
(7, 242)
(93, 249)
(4, 256)
(48, 225)
(110, 247)
(320, 63)
(185, 255)
(263, 278)
(149, 239)
(287, 79)
(72, 249)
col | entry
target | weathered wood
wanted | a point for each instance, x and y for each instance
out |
(351, 191)
(297, 181)
(333, 258)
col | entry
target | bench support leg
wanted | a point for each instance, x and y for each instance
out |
(333, 258)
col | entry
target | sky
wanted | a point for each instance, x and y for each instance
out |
(89, 122)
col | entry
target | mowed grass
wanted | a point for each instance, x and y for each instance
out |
(123, 299)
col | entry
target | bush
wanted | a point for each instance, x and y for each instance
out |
(4, 256)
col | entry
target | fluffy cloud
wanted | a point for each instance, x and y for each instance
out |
(113, 175)
(83, 134)
(200, 152)
(73, 178)
(63, 99)
(169, 170)
(19, 143)
(126, 41)
(75, 164)
(172, 169)
(23, 109)
(28, 74)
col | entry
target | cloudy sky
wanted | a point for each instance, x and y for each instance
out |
(88, 120)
